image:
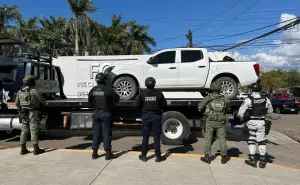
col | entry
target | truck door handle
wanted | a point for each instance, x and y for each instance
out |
(172, 67)
(201, 66)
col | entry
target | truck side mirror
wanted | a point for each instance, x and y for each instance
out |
(151, 60)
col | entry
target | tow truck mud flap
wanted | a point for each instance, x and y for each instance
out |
(81, 120)
(8, 124)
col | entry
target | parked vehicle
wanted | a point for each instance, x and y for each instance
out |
(285, 106)
(182, 69)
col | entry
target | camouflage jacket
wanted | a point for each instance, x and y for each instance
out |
(37, 100)
(204, 105)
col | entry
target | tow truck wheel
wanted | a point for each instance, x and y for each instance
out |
(126, 87)
(175, 128)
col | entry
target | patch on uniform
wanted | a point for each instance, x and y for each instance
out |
(98, 93)
(259, 101)
(150, 98)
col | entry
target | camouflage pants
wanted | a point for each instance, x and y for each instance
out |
(221, 134)
(256, 135)
(30, 120)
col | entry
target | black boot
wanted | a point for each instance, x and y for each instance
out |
(160, 158)
(24, 149)
(143, 158)
(206, 159)
(262, 162)
(252, 162)
(109, 155)
(225, 159)
(95, 154)
(37, 150)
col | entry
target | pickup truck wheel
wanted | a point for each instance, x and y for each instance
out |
(126, 87)
(175, 128)
(229, 86)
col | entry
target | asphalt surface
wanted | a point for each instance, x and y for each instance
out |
(281, 149)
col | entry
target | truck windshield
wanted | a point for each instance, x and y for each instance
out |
(8, 74)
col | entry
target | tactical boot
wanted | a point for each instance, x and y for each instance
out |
(24, 149)
(160, 158)
(109, 155)
(206, 159)
(252, 162)
(262, 162)
(37, 150)
(225, 159)
(143, 158)
(95, 154)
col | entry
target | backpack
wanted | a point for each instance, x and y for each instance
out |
(217, 110)
(25, 98)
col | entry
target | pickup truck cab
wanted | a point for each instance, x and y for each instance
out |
(182, 69)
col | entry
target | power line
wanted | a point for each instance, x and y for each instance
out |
(243, 33)
(236, 17)
(194, 30)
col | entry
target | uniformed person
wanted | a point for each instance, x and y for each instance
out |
(102, 99)
(29, 101)
(253, 112)
(153, 104)
(216, 108)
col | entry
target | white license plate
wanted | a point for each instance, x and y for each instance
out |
(292, 109)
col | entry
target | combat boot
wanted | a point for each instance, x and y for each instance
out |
(262, 162)
(252, 162)
(143, 158)
(160, 158)
(24, 150)
(95, 154)
(224, 159)
(206, 159)
(109, 155)
(37, 150)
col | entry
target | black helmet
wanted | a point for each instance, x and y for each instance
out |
(29, 80)
(150, 82)
(100, 78)
(256, 87)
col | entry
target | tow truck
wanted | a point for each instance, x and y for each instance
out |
(62, 113)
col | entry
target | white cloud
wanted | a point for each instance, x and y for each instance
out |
(285, 56)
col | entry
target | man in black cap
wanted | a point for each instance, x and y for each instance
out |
(102, 99)
(153, 104)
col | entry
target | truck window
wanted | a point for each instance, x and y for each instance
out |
(167, 57)
(191, 56)
(34, 70)
(8, 74)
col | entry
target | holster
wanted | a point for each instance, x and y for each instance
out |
(247, 115)
(268, 125)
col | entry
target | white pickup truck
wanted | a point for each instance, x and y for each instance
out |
(182, 69)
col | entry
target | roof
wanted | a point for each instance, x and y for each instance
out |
(7, 40)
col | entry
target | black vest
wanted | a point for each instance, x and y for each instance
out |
(258, 106)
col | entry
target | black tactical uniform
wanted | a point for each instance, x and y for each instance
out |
(102, 99)
(153, 103)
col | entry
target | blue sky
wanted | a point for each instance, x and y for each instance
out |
(173, 18)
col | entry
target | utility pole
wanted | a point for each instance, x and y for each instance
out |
(189, 37)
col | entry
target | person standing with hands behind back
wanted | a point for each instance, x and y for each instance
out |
(153, 103)
(102, 99)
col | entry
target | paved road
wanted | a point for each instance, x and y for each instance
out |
(281, 148)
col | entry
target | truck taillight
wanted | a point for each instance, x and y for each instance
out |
(256, 69)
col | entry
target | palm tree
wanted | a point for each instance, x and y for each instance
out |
(55, 35)
(7, 14)
(137, 40)
(26, 30)
(81, 21)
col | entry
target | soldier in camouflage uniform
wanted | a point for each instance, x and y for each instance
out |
(253, 112)
(216, 107)
(28, 102)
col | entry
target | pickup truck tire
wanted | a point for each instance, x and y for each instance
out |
(230, 86)
(175, 128)
(126, 87)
